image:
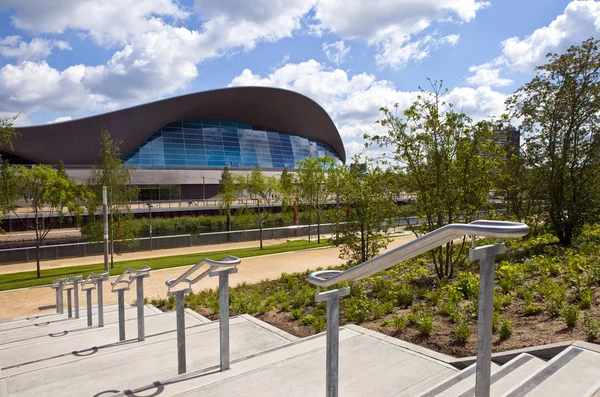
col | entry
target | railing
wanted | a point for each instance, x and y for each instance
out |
(215, 268)
(94, 281)
(122, 284)
(486, 256)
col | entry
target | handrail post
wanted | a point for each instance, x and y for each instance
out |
(333, 336)
(69, 304)
(486, 256)
(139, 286)
(99, 283)
(180, 308)
(224, 313)
(121, 305)
(88, 295)
(58, 291)
(76, 297)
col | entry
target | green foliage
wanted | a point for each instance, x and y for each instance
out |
(462, 329)
(505, 330)
(399, 323)
(405, 296)
(440, 152)
(229, 190)
(309, 319)
(425, 323)
(357, 309)
(570, 315)
(468, 285)
(509, 276)
(319, 324)
(591, 327)
(585, 298)
(554, 296)
(559, 109)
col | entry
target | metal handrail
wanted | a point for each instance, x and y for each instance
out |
(434, 239)
(131, 273)
(92, 279)
(56, 283)
(229, 262)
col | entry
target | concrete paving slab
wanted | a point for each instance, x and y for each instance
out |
(574, 372)
(143, 363)
(44, 353)
(368, 367)
(60, 328)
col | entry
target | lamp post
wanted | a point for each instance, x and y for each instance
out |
(150, 205)
(203, 190)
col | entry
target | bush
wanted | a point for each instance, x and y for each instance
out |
(297, 313)
(425, 323)
(380, 309)
(309, 319)
(399, 323)
(319, 324)
(591, 327)
(462, 331)
(505, 330)
(468, 285)
(357, 309)
(532, 310)
(586, 296)
(571, 315)
(405, 296)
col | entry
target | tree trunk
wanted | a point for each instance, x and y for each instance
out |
(260, 233)
(318, 227)
(37, 245)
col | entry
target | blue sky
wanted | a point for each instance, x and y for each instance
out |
(64, 59)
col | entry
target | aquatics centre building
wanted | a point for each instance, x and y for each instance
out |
(179, 146)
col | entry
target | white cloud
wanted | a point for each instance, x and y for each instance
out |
(488, 74)
(336, 52)
(36, 49)
(60, 119)
(391, 25)
(353, 102)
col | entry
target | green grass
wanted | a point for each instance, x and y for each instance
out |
(28, 279)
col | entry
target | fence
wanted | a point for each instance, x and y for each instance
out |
(74, 250)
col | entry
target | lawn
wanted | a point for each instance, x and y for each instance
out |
(28, 279)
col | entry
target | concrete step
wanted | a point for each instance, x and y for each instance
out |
(573, 372)
(371, 364)
(50, 317)
(143, 362)
(509, 374)
(458, 384)
(45, 329)
(46, 352)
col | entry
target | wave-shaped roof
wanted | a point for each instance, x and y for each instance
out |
(76, 142)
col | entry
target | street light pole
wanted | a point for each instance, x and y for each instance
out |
(150, 205)
(105, 219)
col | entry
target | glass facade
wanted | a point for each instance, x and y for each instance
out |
(210, 143)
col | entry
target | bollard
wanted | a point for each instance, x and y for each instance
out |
(333, 337)
(224, 314)
(486, 256)
(88, 294)
(121, 304)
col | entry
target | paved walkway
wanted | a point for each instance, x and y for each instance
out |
(16, 303)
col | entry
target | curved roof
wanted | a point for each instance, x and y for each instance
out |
(76, 142)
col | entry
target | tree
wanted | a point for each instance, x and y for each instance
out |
(314, 187)
(51, 192)
(8, 186)
(370, 197)
(560, 113)
(448, 161)
(110, 171)
(286, 188)
(229, 190)
(263, 190)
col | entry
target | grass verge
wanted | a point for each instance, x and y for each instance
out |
(28, 279)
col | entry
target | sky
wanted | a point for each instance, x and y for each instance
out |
(66, 59)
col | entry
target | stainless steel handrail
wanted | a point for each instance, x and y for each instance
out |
(434, 239)
(92, 279)
(228, 262)
(145, 271)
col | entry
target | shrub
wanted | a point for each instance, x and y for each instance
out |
(399, 323)
(505, 330)
(586, 296)
(405, 296)
(309, 319)
(532, 310)
(357, 309)
(297, 313)
(462, 331)
(570, 315)
(425, 323)
(502, 300)
(495, 321)
(468, 285)
(319, 324)
(591, 327)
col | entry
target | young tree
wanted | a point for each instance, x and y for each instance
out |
(110, 171)
(8, 186)
(314, 187)
(263, 190)
(286, 188)
(229, 190)
(370, 196)
(51, 192)
(560, 113)
(448, 161)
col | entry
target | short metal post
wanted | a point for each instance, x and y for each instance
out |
(333, 337)
(88, 294)
(76, 297)
(121, 304)
(139, 285)
(100, 304)
(224, 314)
(180, 307)
(69, 304)
(60, 303)
(486, 256)
(57, 300)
